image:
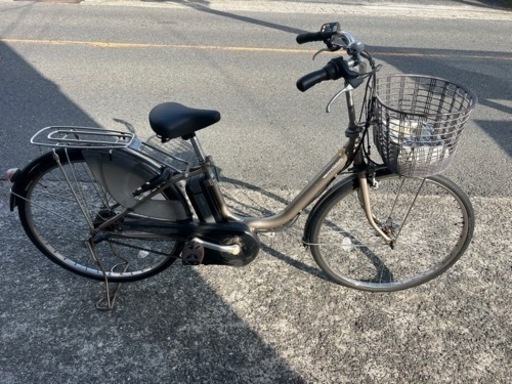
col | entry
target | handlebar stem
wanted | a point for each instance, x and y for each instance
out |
(350, 107)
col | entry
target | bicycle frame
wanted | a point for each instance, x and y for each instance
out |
(143, 206)
(350, 153)
(312, 190)
(347, 155)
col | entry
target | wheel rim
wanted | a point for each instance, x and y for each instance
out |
(60, 229)
(434, 236)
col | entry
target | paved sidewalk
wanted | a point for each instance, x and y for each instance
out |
(444, 9)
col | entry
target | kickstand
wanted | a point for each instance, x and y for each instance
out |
(107, 302)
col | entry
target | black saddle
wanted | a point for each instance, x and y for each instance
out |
(171, 120)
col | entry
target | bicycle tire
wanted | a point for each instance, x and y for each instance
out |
(53, 220)
(351, 253)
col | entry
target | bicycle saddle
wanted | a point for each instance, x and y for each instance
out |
(171, 120)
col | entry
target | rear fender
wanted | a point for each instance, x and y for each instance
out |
(116, 161)
(22, 179)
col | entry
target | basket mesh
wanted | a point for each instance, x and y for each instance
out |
(419, 122)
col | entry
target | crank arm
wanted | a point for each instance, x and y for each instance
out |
(231, 249)
(209, 235)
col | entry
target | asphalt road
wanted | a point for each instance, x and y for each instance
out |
(116, 63)
(278, 319)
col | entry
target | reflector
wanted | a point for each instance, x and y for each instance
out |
(11, 174)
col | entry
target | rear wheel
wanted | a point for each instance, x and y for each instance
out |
(428, 240)
(62, 203)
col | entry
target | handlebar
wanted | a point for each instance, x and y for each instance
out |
(352, 70)
(313, 36)
(333, 70)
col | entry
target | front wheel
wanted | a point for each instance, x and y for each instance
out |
(431, 220)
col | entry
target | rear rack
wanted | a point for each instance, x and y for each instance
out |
(176, 154)
(82, 137)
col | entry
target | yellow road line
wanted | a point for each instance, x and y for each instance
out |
(100, 44)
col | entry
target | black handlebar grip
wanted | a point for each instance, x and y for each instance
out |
(311, 79)
(313, 36)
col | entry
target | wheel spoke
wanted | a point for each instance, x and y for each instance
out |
(63, 204)
(430, 220)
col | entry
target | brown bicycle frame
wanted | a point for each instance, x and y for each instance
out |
(348, 154)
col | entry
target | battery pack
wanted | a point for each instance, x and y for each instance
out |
(201, 195)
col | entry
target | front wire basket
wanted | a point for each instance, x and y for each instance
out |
(419, 121)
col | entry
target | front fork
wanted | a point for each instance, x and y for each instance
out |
(353, 133)
(363, 194)
(364, 199)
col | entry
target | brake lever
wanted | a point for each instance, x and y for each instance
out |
(347, 88)
(320, 51)
(340, 40)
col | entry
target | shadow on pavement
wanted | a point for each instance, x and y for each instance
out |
(29, 102)
(172, 328)
(204, 6)
(496, 4)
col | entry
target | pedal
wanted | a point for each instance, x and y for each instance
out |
(192, 254)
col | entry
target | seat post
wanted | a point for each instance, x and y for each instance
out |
(198, 149)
